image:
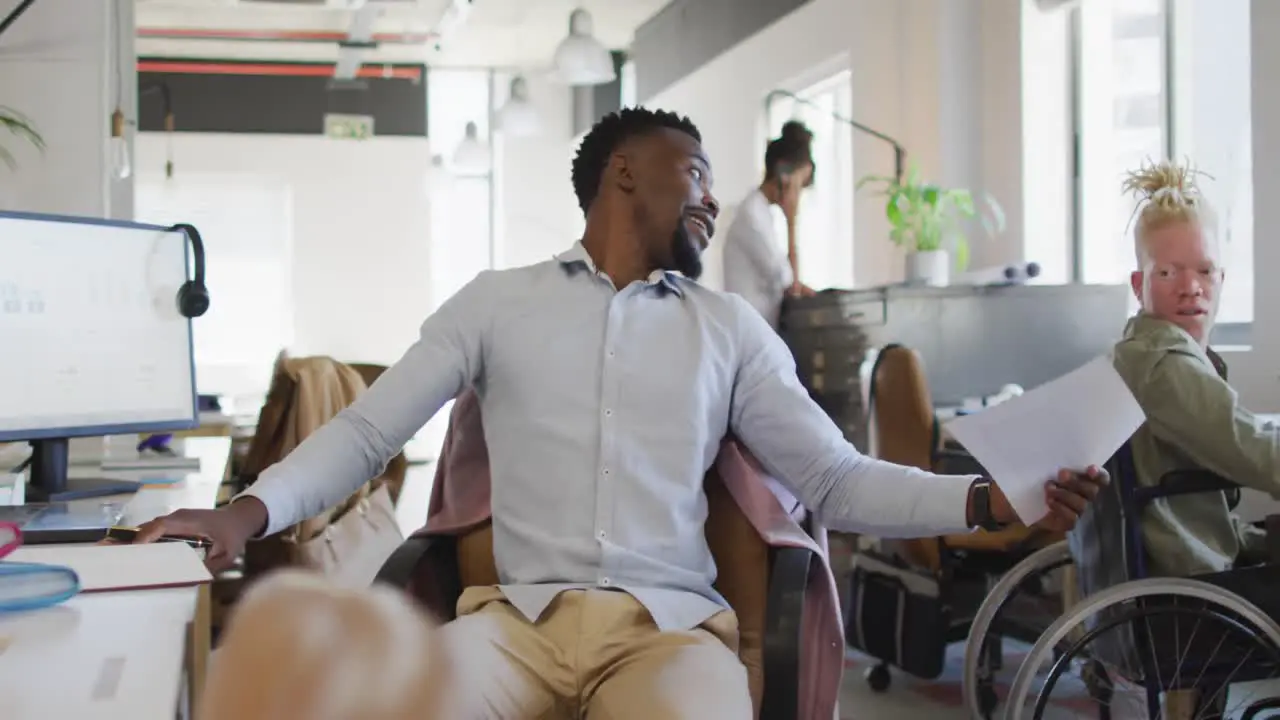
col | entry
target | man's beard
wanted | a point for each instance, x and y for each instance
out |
(686, 257)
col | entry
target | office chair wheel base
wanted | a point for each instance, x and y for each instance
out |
(879, 678)
(988, 700)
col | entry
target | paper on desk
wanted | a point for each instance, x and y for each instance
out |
(1078, 420)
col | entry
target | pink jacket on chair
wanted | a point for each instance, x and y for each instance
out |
(460, 502)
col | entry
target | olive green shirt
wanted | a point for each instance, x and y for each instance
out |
(1194, 421)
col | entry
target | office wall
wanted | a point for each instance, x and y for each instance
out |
(67, 78)
(360, 246)
(538, 214)
(1254, 373)
(941, 76)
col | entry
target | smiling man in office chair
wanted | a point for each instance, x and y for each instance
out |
(607, 382)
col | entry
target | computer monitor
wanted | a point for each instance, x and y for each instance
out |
(93, 343)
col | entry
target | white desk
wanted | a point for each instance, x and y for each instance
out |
(109, 655)
(198, 489)
(99, 655)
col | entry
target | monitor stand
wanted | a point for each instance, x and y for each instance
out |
(49, 481)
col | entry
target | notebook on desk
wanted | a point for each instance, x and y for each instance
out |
(150, 461)
(104, 568)
(26, 585)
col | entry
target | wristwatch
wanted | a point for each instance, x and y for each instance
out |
(981, 504)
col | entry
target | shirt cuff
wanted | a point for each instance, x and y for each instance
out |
(950, 502)
(276, 499)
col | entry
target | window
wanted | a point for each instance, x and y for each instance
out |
(246, 224)
(1122, 120)
(1212, 125)
(825, 232)
(1157, 79)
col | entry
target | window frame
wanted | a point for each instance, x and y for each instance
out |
(1237, 336)
(837, 81)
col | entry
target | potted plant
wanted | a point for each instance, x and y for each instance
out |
(17, 124)
(927, 222)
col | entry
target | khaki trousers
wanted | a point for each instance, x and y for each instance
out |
(595, 655)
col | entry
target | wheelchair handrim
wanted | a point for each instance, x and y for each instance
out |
(1124, 592)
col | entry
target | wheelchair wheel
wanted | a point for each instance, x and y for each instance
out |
(1005, 614)
(1160, 647)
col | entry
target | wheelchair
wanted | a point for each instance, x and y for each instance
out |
(949, 576)
(1143, 646)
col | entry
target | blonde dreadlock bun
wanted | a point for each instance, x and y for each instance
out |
(1167, 193)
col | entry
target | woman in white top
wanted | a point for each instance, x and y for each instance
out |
(756, 264)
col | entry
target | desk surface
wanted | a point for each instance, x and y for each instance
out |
(113, 654)
(196, 490)
(101, 655)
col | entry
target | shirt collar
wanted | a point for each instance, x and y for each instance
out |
(1144, 324)
(577, 257)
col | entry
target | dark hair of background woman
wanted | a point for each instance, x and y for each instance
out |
(791, 150)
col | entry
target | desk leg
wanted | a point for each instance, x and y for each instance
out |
(198, 645)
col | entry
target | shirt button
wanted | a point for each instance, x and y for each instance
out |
(606, 582)
(610, 353)
(608, 413)
(606, 471)
(601, 534)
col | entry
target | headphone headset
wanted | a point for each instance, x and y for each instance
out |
(193, 296)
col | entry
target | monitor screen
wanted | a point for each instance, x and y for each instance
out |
(93, 340)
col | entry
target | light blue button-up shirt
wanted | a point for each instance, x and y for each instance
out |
(603, 409)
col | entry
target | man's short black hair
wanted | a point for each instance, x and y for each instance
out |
(605, 137)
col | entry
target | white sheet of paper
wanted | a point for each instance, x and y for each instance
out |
(1075, 421)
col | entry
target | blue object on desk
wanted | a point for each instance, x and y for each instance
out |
(157, 443)
(31, 586)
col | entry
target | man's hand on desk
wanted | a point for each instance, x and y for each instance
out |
(1067, 497)
(228, 529)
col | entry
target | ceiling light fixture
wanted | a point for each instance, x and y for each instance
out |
(518, 117)
(581, 59)
(472, 156)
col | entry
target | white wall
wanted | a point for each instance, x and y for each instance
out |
(942, 76)
(361, 247)
(1254, 374)
(538, 209)
(62, 76)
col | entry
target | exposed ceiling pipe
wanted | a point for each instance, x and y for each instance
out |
(359, 39)
(15, 14)
(327, 37)
(453, 17)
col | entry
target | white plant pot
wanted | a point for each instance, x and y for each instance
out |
(929, 267)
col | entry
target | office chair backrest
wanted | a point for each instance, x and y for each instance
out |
(305, 394)
(901, 409)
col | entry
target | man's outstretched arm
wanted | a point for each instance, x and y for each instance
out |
(357, 444)
(773, 415)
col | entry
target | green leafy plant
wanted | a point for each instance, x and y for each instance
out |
(925, 217)
(18, 125)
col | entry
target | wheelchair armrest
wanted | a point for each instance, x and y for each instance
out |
(956, 461)
(1188, 482)
(435, 556)
(783, 628)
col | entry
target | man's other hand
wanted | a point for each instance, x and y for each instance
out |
(227, 529)
(1067, 497)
